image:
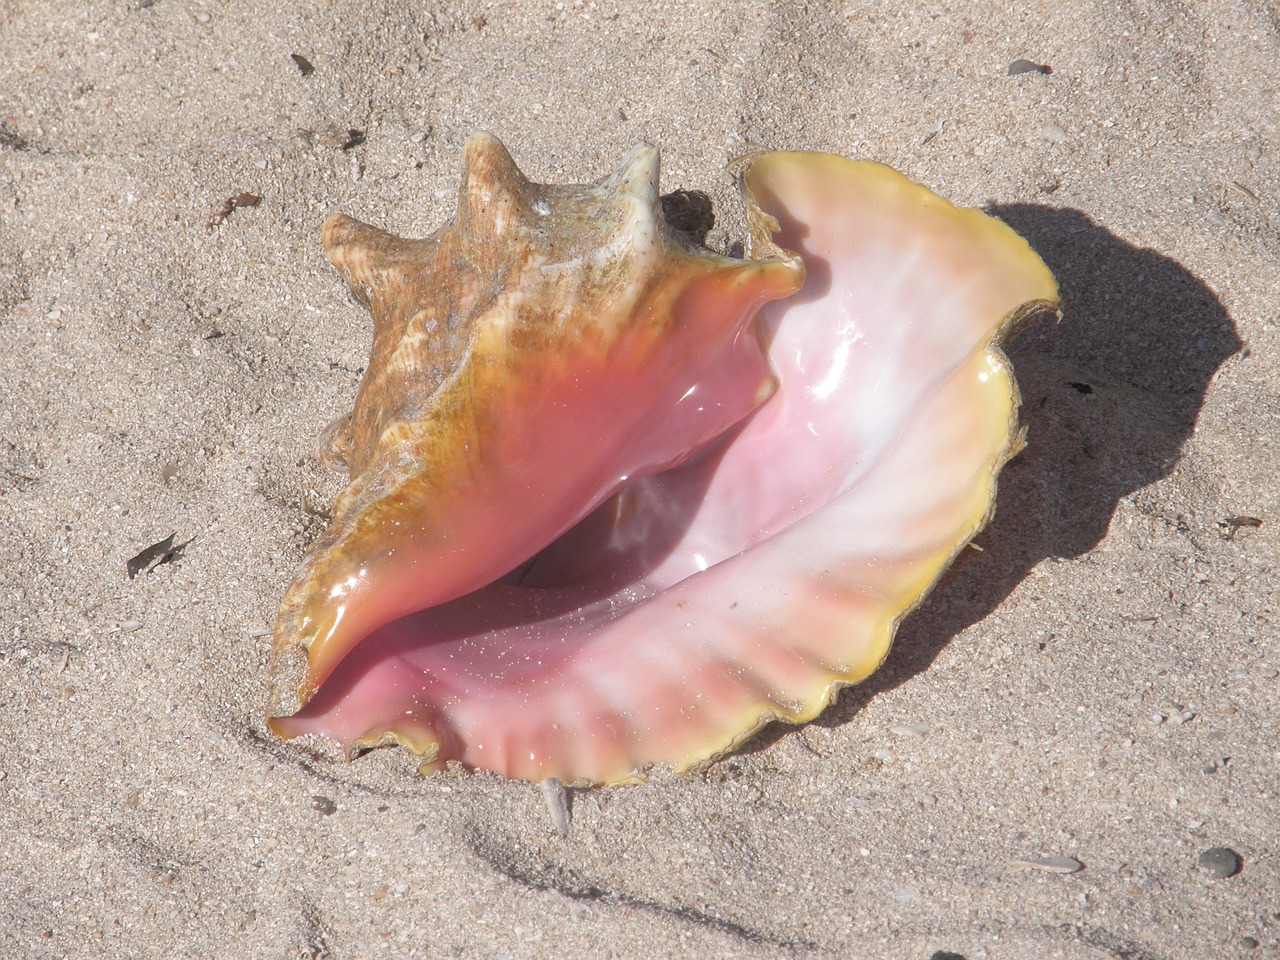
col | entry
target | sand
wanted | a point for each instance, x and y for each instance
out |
(1099, 682)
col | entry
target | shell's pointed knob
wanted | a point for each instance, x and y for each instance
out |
(632, 190)
(637, 176)
(495, 194)
(363, 253)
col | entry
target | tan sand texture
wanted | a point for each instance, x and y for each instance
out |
(1099, 682)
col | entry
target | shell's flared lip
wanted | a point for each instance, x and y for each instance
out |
(752, 581)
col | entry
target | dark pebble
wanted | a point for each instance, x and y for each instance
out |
(1220, 862)
(1248, 943)
(1026, 66)
(946, 955)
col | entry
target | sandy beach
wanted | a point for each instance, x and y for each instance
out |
(1100, 682)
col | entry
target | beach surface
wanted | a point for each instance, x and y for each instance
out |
(1100, 682)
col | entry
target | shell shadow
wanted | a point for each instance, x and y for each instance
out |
(1109, 395)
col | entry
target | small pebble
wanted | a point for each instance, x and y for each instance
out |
(1248, 943)
(1049, 864)
(128, 626)
(1156, 718)
(1053, 133)
(1220, 862)
(1026, 66)
(906, 895)
(909, 729)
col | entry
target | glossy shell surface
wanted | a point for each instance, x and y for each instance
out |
(618, 501)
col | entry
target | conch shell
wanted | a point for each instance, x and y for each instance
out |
(618, 501)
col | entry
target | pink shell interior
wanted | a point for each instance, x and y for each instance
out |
(750, 582)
